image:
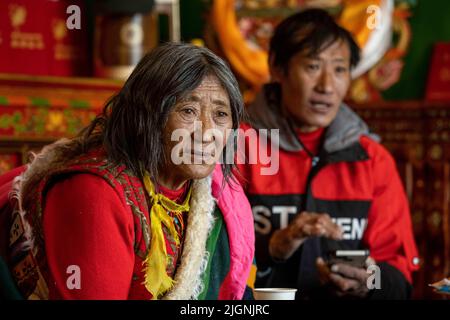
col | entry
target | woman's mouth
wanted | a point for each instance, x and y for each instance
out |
(200, 153)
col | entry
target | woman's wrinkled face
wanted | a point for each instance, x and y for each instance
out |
(313, 87)
(197, 131)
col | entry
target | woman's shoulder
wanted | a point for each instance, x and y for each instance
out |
(81, 188)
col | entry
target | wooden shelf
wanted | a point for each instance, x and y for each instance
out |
(36, 110)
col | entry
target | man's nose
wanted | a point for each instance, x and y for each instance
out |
(325, 82)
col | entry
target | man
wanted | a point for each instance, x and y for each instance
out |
(336, 186)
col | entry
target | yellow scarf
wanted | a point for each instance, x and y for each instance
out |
(157, 281)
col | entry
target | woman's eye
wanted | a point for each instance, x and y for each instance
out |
(188, 111)
(222, 114)
(313, 67)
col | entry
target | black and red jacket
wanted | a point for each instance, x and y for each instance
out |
(355, 181)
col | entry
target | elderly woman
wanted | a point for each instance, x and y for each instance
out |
(115, 214)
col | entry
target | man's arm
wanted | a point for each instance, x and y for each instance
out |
(389, 234)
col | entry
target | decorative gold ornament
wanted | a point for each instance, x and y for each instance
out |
(436, 152)
(59, 29)
(17, 15)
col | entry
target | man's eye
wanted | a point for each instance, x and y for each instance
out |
(313, 67)
(341, 69)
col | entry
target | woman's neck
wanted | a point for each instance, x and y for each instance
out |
(171, 184)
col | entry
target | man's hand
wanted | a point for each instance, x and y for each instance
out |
(343, 279)
(309, 224)
(285, 242)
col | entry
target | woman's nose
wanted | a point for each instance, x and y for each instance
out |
(204, 130)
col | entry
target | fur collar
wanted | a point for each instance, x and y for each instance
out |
(194, 259)
(52, 158)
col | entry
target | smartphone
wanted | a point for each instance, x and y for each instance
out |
(356, 258)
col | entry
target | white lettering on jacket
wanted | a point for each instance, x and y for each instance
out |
(352, 228)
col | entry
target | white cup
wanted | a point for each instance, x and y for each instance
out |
(274, 293)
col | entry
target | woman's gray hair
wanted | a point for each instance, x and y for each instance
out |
(131, 125)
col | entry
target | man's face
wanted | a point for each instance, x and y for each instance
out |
(197, 131)
(313, 87)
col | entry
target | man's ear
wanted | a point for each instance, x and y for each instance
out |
(276, 72)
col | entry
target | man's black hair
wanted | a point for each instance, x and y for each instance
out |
(310, 31)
